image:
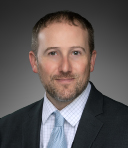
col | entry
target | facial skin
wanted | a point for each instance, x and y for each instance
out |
(63, 62)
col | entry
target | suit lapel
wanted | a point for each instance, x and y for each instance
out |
(89, 125)
(31, 127)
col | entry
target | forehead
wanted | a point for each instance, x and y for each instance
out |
(63, 34)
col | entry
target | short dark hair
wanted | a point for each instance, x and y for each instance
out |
(60, 16)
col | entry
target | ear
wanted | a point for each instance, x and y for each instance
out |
(33, 61)
(93, 59)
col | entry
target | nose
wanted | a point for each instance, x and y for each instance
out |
(65, 65)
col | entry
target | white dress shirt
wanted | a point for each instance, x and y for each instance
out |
(72, 114)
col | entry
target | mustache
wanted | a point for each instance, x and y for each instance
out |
(64, 75)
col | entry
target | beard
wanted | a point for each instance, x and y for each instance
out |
(64, 93)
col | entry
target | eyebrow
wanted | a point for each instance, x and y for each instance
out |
(73, 47)
(49, 48)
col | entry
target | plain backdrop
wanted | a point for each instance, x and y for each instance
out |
(19, 86)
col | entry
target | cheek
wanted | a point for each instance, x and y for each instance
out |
(48, 68)
(82, 68)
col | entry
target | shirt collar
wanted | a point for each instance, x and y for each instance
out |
(48, 109)
(72, 112)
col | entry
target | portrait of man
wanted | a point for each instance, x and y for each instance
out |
(72, 113)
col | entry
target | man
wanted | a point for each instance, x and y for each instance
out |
(63, 55)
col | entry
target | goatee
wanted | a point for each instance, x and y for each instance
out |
(65, 93)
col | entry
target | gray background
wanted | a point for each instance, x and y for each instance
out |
(19, 86)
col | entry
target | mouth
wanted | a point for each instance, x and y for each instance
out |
(65, 80)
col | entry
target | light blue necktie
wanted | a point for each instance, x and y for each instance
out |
(57, 138)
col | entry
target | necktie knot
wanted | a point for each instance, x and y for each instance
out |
(59, 120)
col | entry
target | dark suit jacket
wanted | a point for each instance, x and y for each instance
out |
(104, 124)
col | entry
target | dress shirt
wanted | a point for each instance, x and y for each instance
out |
(72, 114)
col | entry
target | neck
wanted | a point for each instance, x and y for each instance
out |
(58, 104)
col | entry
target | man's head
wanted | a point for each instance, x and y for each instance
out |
(62, 56)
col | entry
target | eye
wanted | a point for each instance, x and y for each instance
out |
(53, 53)
(76, 52)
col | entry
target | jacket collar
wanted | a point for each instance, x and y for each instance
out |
(31, 126)
(89, 126)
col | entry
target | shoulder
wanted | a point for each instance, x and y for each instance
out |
(108, 105)
(113, 107)
(11, 126)
(17, 116)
